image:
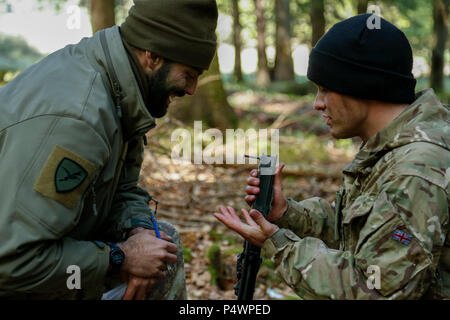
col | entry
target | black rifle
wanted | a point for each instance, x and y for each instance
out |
(250, 260)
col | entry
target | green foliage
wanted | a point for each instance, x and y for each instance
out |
(187, 255)
(415, 19)
(301, 25)
(293, 87)
(213, 255)
(344, 143)
(224, 7)
(219, 237)
(310, 150)
(215, 236)
(424, 83)
(121, 7)
(16, 54)
(233, 251)
(268, 263)
(56, 4)
(247, 19)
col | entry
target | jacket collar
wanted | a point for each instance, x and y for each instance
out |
(422, 121)
(135, 116)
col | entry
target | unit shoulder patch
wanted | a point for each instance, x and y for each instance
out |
(65, 177)
(69, 175)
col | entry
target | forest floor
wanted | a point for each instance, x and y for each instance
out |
(189, 193)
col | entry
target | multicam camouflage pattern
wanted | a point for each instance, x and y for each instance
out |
(397, 181)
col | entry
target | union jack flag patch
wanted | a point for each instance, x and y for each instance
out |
(402, 237)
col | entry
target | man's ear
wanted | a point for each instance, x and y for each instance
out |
(155, 61)
(149, 61)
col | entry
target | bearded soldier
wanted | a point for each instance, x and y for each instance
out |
(72, 136)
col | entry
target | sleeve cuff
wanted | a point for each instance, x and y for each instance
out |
(103, 261)
(144, 223)
(133, 223)
(283, 221)
(278, 241)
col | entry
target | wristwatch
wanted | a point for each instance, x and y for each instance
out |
(116, 256)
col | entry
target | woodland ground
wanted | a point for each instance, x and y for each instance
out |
(188, 194)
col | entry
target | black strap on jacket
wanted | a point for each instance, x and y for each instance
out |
(115, 83)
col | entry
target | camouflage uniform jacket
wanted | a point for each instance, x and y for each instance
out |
(397, 183)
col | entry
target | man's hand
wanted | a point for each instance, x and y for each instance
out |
(151, 232)
(256, 229)
(137, 287)
(146, 256)
(279, 203)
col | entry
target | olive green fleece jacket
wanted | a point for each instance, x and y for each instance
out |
(69, 166)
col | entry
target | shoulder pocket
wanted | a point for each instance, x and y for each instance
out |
(59, 188)
(360, 207)
(58, 176)
(362, 218)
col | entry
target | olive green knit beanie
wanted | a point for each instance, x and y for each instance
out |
(179, 30)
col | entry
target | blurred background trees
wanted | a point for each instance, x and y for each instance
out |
(257, 80)
(264, 43)
(15, 54)
(440, 39)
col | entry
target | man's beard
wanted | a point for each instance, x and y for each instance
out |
(159, 91)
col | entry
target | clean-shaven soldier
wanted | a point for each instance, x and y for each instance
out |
(72, 134)
(387, 236)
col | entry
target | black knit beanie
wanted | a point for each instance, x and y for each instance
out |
(355, 60)
(179, 30)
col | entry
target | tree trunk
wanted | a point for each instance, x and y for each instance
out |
(263, 75)
(284, 66)
(440, 28)
(317, 14)
(209, 104)
(361, 6)
(237, 28)
(102, 14)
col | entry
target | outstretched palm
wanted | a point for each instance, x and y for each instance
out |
(256, 229)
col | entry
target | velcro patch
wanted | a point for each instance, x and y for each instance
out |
(402, 237)
(65, 177)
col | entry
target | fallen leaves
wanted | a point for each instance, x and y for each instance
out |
(189, 193)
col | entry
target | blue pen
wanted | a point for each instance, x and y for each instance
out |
(155, 225)
(153, 219)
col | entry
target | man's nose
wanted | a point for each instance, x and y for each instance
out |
(319, 103)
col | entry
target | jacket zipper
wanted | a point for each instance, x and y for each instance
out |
(142, 132)
(92, 189)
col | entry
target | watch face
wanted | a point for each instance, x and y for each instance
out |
(117, 256)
